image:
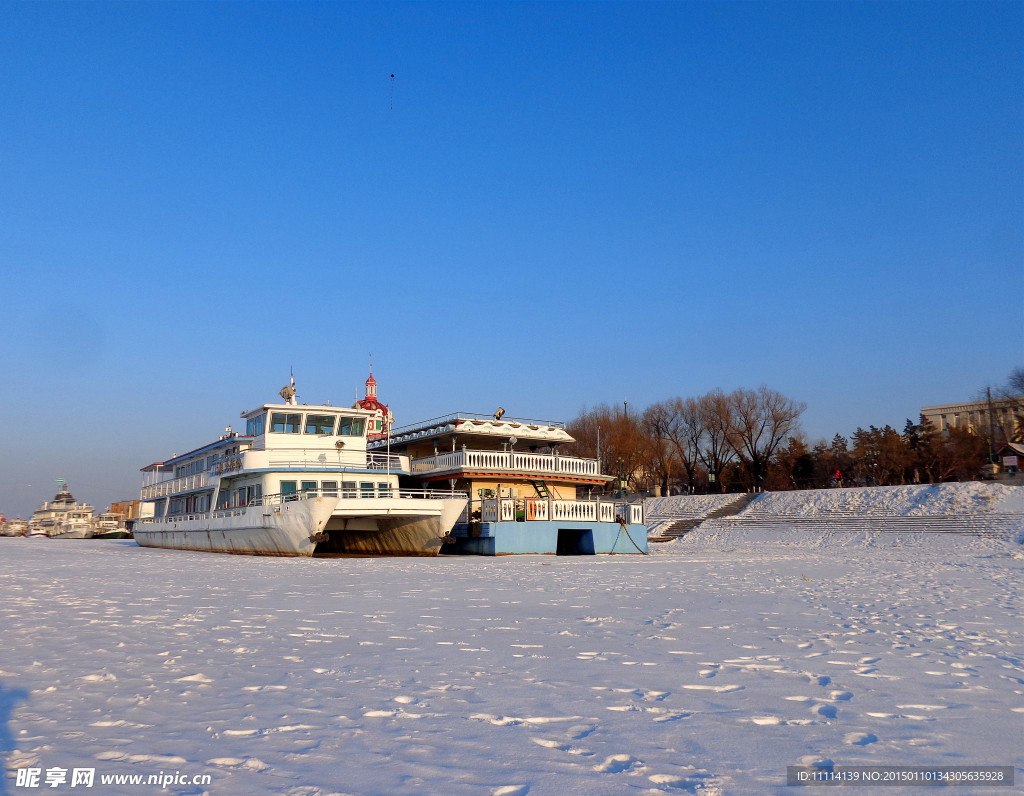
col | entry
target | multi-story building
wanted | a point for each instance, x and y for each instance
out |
(1003, 416)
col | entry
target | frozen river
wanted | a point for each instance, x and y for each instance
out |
(706, 672)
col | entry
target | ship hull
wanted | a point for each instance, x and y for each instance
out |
(285, 529)
(392, 527)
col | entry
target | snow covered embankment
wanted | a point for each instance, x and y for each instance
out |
(960, 515)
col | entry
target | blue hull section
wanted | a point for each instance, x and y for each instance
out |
(547, 538)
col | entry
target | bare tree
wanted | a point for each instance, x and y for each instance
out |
(677, 421)
(715, 452)
(1010, 396)
(759, 421)
(1015, 384)
(623, 446)
(662, 462)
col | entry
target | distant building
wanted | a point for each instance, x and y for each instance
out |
(1011, 458)
(125, 509)
(1007, 416)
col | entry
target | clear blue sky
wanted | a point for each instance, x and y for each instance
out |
(551, 206)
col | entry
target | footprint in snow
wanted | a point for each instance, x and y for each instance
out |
(860, 738)
(827, 711)
(615, 764)
(551, 743)
(696, 782)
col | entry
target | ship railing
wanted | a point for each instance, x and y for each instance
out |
(189, 515)
(457, 417)
(381, 492)
(174, 485)
(547, 509)
(373, 461)
(506, 461)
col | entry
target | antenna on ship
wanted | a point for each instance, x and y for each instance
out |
(288, 391)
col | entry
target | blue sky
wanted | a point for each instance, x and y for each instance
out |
(550, 206)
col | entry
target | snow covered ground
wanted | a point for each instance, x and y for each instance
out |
(703, 672)
(919, 500)
(889, 516)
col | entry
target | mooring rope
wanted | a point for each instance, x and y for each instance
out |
(624, 528)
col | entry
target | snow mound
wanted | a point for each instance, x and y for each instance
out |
(972, 497)
(964, 516)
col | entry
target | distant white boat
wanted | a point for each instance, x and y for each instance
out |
(299, 482)
(63, 517)
(18, 527)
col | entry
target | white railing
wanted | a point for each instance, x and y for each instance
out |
(379, 461)
(506, 461)
(543, 509)
(175, 485)
(503, 510)
(333, 463)
(538, 509)
(574, 510)
(192, 515)
(295, 460)
(349, 494)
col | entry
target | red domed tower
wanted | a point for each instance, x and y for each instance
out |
(370, 402)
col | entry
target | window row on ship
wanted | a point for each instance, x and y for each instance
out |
(200, 502)
(303, 423)
(202, 465)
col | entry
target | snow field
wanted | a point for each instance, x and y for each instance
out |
(678, 673)
(961, 516)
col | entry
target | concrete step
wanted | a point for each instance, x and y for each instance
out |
(988, 525)
(683, 526)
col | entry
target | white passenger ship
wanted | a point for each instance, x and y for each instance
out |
(299, 482)
(63, 517)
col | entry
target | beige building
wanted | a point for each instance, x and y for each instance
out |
(1007, 416)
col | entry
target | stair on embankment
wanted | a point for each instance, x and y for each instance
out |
(982, 524)
(685, 525)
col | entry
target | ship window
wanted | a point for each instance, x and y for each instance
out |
(330, 488)
(351, 426)
(285, 422)
(384, 489)
(319, 424)
(309, 487)
(365, 489)
(348, 489)
(254, 425)
(288, 490)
